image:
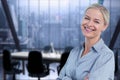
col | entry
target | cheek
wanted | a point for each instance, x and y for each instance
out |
(98, 29)
(101, 28)
(82, 27)
(82, 23)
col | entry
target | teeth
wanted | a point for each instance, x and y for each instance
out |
(88, 29)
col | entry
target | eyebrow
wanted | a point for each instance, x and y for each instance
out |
(86, 16)
(95, 18)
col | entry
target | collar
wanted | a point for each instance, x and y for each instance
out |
(99, 45)
(96, 47)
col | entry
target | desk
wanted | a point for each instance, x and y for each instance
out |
(53, 57)
(47, 57)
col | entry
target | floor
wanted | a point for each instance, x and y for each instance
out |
(53, 74)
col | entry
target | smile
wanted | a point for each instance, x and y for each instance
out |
(87, 29)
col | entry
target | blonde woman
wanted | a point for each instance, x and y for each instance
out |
(92, 60)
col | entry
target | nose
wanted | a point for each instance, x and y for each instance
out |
(90, 23)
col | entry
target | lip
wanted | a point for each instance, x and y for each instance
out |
(87, 29)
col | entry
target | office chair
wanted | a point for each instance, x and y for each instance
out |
(35, 65)
(68, 48)
(9, 66)
(117, 72)
(116, 62)
(47, 49)
(63, 60)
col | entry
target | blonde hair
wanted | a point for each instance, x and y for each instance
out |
(103, 10)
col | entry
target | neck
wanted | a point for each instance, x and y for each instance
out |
(88, 44)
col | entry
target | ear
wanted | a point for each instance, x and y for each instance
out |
(105, 27)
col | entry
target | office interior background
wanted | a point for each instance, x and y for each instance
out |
(40, 23)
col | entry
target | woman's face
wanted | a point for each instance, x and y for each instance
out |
(93, 24)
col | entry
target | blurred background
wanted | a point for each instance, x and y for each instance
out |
(38, 23)
(41, 23)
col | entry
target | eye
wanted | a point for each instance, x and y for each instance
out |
(97, 22)
(86, 18)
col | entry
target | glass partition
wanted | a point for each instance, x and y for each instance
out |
(39, 23)
(6, 39)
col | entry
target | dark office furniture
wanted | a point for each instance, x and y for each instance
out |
(68, 49)
(117, 72)
(47, 49)
(63, 60)
(116, 63)
(111, 46)
(35, 65)
(9, 66)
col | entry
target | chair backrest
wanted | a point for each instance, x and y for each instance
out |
(47, 49)
(68, 48)
(35, 64)
(116, 62)
(7, 60)
(63, 60)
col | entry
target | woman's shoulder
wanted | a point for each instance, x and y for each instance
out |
(106, 51)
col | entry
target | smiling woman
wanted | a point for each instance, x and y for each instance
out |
(93, 23)
(91, 60)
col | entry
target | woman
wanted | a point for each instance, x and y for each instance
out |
(93, 60)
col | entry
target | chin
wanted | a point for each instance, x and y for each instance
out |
(88, 36)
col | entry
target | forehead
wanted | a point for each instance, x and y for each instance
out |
(94, 13)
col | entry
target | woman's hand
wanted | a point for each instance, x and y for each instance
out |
(86, 77)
